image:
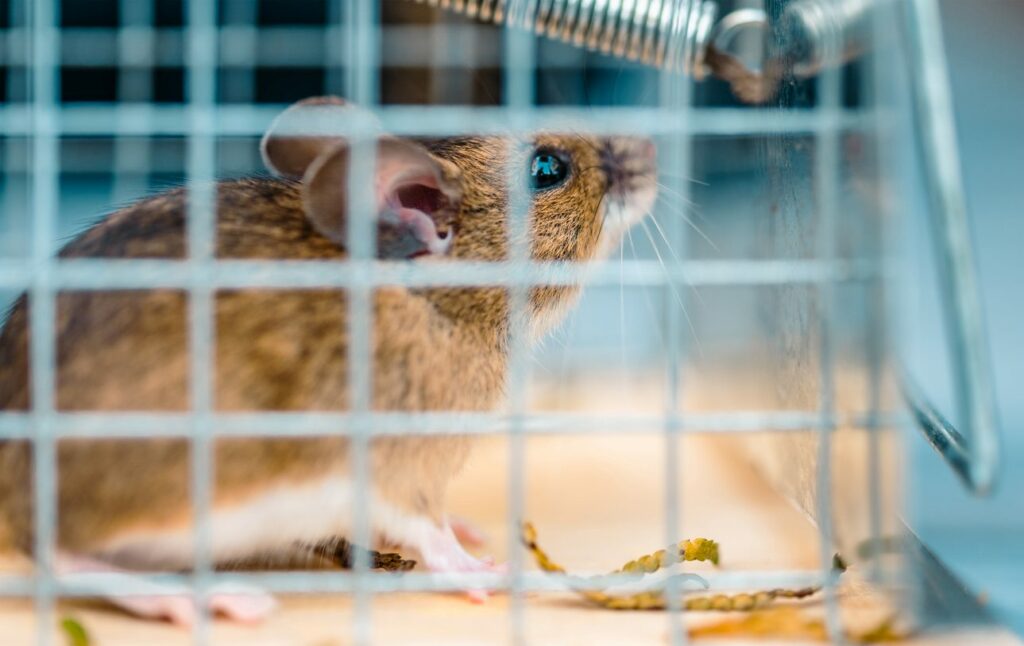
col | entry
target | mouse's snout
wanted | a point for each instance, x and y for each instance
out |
(630, 166)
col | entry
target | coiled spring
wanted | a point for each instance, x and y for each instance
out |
(665, 33)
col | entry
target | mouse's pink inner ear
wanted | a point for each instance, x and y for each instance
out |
(304, 131)
(409, 177)
(418, 199)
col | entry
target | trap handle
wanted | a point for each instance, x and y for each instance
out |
(972, 452)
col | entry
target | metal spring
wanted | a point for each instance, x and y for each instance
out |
(672, 34)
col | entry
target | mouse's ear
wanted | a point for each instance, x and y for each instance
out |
(417, 196)
(292, 142)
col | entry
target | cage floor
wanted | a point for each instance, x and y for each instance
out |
(597, 501)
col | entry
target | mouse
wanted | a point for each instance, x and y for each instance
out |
(123, 504)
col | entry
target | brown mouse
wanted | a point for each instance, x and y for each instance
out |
(125, 503)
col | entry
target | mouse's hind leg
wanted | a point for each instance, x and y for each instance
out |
(160, 601)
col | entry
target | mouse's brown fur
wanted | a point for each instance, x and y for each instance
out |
(279, 350)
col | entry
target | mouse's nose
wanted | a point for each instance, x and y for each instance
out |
(628, 160)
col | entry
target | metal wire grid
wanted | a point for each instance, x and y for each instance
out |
(201, 119)
(246, 46)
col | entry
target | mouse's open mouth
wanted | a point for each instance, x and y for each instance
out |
(418, 219)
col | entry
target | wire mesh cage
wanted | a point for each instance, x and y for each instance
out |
(728, 370)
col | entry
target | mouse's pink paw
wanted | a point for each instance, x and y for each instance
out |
(245, 607)
(249, 607)
(175, 608)
(441, 552)
(158, 601)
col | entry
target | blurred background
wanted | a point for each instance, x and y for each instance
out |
(272, 53)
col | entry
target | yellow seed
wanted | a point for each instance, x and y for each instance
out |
(699, 549)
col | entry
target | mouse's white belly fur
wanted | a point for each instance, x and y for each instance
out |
(273, 521)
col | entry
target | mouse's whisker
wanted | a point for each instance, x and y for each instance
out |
(670, 201)
(646, 290)
(668, 190)
(681, 213)
(672, 287)
(622, 313)
(675, 256)
(681, 176)
(677, 204)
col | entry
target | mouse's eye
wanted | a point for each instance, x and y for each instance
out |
(548, 168)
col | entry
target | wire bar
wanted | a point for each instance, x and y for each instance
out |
(44, 17)
(228, 120)
(135, 49)
(828, 157)
(201, 84)
(383, 424)
(360, 18)
(95, 274)
(675, 94)
(877, 336)
(520, 59)
(94, 584)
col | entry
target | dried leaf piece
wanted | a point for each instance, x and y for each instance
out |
(698, 549)
(74, 632)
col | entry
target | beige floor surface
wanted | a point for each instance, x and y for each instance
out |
(597, 500)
